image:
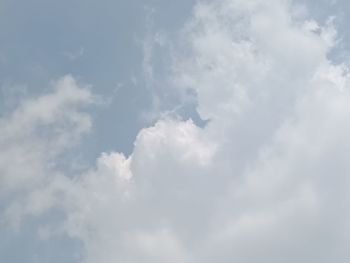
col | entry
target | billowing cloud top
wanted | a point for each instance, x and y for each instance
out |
(265, 180)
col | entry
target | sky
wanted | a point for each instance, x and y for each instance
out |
(174, 131)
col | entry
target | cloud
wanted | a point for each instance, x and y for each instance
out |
(265, 180)
(32, 139)
(72, 56)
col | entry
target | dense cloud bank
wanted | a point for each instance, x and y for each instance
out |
(265, 180)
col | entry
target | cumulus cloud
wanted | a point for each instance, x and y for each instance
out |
(266, 179)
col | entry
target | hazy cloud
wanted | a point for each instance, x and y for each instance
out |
(265, 180)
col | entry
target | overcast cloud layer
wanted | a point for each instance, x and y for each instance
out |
(261, 173)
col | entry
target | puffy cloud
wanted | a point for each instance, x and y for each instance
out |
(265, 180)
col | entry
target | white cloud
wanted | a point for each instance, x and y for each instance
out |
(33, 137)
(266, 180)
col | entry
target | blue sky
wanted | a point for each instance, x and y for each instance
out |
(174, 131)
(99, 43)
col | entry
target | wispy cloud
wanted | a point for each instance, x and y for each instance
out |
(74, 55)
